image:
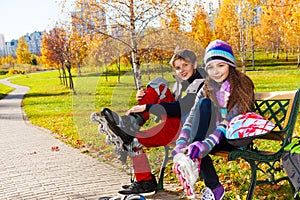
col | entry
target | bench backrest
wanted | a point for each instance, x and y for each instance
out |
(281, 108)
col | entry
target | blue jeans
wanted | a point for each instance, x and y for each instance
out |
(204, 123)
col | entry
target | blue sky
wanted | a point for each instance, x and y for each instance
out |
(19, 17)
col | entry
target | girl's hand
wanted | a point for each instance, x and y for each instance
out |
(179, 148)
(195, 149)
(140, 94)
(136, 109)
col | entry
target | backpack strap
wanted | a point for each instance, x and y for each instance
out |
(177, 87)
(156, 83)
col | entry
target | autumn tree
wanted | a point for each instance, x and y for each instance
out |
(10, 60)
(22, 52)
(172, 21)
(269, 27)
(248, 18)
(52, 51)
(294, 25)
(234, 24)
(131, 18)
(84, 38)
(201, 31)
(45, 60)
(278, 25)
(56, 49)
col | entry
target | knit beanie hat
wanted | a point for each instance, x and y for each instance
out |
(219, 50)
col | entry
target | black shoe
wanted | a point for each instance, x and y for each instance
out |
(145, 188)
(118, 125)
(125, 187)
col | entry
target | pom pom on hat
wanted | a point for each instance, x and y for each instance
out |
(219, 50)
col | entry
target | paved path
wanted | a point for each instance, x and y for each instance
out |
(29, 169)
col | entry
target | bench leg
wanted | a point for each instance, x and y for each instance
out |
(160, 185)
(295, 194)
(253, 179)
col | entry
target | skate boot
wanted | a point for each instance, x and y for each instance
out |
(124, 126)
(187, 172)
(111, 137)
(125, 145)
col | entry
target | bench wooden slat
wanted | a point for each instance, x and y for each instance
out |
(279, 95)
(221, 153)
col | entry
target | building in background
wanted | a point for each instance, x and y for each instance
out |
(210, 6)
(11, 47)
(33, 40)
(2, 46)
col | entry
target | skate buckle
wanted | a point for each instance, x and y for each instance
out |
(134, 148)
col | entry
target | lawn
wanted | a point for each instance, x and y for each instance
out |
(4, 90)
(51, 105)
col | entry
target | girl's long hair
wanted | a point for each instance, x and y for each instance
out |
(241, 90)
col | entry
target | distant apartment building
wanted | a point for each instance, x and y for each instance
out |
(210, 6)
(2, 46)
(33, 40)
(11, 47)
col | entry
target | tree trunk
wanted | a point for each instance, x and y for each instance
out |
(134, 49)
(106, 72)
(148, 72)
(252, 47)
(242, 50)
(68, 66)
(273, 50)
(64, 76)
(60, 76)
(119, 69)
(79, 69)
(277, 49)
(161, 67)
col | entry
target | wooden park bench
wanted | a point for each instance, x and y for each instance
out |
(281, 108)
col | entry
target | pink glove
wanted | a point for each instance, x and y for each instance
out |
(195, 150)
(201, 149)
(181, 142)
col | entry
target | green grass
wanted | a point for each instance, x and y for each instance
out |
(4, 90)
(263, 61)
(277, 80)
(48, 103)
(51, 105)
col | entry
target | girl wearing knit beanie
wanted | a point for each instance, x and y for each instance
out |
(226, 93)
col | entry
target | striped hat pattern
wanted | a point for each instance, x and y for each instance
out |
(219, 50)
